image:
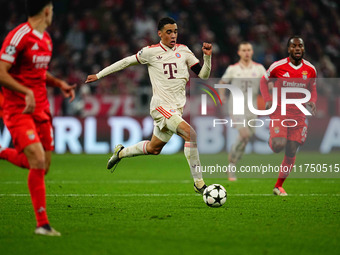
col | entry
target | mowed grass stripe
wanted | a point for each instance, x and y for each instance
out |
(166, 195)
(154, 181)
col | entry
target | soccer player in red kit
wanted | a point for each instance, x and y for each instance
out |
(293, 71)
(25, 56)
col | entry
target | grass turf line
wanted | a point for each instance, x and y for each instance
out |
(177, 224)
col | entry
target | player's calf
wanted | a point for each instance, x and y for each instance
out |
(154, 150)
(35, 155)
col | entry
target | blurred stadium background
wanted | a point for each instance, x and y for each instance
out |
(89, 35)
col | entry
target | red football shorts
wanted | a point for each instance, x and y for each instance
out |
(287, 129)
(27, 129)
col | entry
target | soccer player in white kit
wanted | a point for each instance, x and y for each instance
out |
(244, 74)
(168, 65)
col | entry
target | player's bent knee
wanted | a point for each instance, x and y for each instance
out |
(36, 158)
(37, 163)
(192, 135)
(278, 146)
(277, 149)
(245, 139)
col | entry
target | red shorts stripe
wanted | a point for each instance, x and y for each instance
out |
(164, 112)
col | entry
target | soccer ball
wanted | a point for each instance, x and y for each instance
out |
(215, 195)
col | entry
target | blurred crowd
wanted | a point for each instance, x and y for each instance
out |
(90, 35)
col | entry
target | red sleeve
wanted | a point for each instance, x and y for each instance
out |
(312, 89)
(314, 94)
(264, 89)
(1, 101)
(10, 48)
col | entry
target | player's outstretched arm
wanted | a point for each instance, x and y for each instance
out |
(226, 79)
(9, 82)
(314, 95)
(67, 90)
(312, 106)
(221, 92)
(115, 67)
(206, 68)
(265, 90)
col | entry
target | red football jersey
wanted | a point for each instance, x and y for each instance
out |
(29, 52)
(287, 75)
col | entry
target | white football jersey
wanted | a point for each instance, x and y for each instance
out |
(244, 77)
(169, 73)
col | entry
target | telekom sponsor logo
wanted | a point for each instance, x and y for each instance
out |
(170, 68)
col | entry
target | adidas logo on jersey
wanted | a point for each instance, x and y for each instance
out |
(35, 47)
(286, 75)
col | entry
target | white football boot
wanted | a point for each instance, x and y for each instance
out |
(279, 191)
(114, 160)
(46, 230)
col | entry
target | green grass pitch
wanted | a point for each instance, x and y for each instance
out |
(148, 207)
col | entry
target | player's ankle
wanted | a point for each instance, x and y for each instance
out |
(45, 226)
(199, 183)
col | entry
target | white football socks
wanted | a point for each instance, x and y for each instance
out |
(134, 150)
(191, 153)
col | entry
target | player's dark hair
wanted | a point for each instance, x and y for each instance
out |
(242, 43)
(165, 21)
(33, 7)
(293, 37)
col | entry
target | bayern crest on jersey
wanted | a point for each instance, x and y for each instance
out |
(304, 75)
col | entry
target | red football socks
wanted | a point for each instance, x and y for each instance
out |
(36, 186)
(286, 167)
(12, 155)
